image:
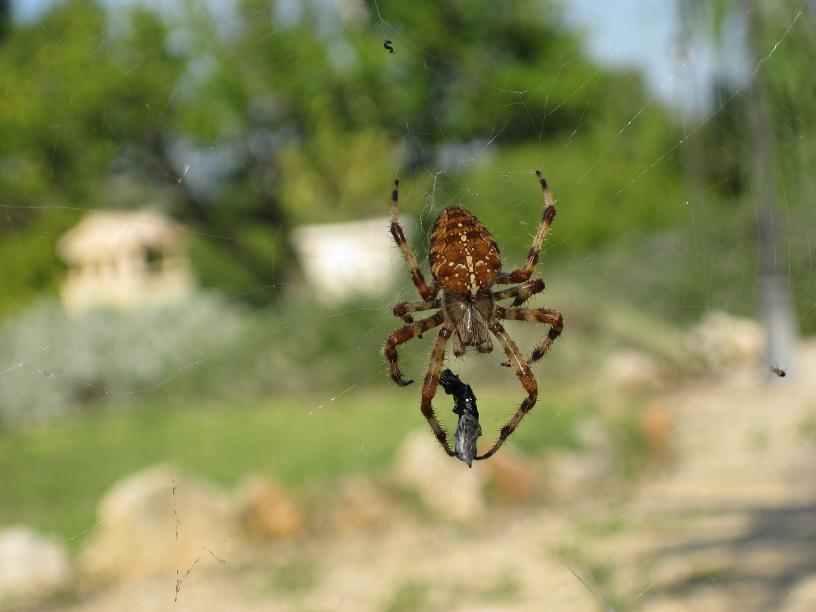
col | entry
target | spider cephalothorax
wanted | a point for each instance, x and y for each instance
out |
(465, 264)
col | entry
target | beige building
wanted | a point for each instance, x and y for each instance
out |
(124, 259)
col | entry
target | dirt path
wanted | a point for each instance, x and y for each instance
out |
(732, 524)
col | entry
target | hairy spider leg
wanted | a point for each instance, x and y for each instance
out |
(430, 385)
(522, 292)
(525, 376)
(402, 309)
(552, 318)
(403, 335)
(522, 274)
(427, 293)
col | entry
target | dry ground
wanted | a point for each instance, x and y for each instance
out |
(728, 524)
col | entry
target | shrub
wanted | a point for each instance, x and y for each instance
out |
(52, 363)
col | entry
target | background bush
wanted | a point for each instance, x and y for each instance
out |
(54, 363)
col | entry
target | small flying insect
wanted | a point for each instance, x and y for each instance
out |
(778, 371)
(468, 429)
(180, 179)
(388, 45)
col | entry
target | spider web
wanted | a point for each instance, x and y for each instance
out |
(680, 67)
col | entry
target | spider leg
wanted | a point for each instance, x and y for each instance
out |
(528, 381)
(522, 292)
(403, 335)
(425, 291)
(552, 318)
(430, 385)
(522, 274)
(402, 309)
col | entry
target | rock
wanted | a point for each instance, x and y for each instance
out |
(156, 521)
(267, 511)
(360, 504)
(721, 340)
(32, 565)
(801, 597)
(573, 473)
(656, 424)
(631, 371)
(445, 485)
(511, 476)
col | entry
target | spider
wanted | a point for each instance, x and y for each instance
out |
(465, 264)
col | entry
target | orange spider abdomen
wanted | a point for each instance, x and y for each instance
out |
(463, 255)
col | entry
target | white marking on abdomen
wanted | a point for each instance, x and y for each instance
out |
(473, 285)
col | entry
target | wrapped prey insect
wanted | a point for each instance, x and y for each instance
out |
(468, 429)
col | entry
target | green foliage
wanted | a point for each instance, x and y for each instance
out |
(784, 41)
(408, 596)
(5, 17)
(295, 578)
(318, 188)
(72, 95)
(594, 206)
(73, 98)
(792, 87)
(27, 259)
(284, 121)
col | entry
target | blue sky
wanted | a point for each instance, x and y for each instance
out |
(634, 33)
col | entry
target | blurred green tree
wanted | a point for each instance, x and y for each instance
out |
(76, 99)
(5, 17)
(283, 113)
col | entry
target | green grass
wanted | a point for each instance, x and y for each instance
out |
(410, 596)
(295, 578)
(54, 477)
(807, 428)
(506, 587)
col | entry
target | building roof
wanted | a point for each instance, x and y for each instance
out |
(103, 233)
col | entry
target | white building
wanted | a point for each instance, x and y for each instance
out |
(342, 260)
(124, 259)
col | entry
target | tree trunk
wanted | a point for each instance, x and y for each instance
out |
(775, 300)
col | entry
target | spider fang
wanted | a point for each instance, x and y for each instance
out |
(468, 429)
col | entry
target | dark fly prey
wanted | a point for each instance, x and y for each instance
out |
(468, 429)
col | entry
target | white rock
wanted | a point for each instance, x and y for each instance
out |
(267, 511)
(721, 339)
(802, 596)
(631, 371)
(444, 485)
(32, 565)
(359, 505)
(156, 521)
(573, 473)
